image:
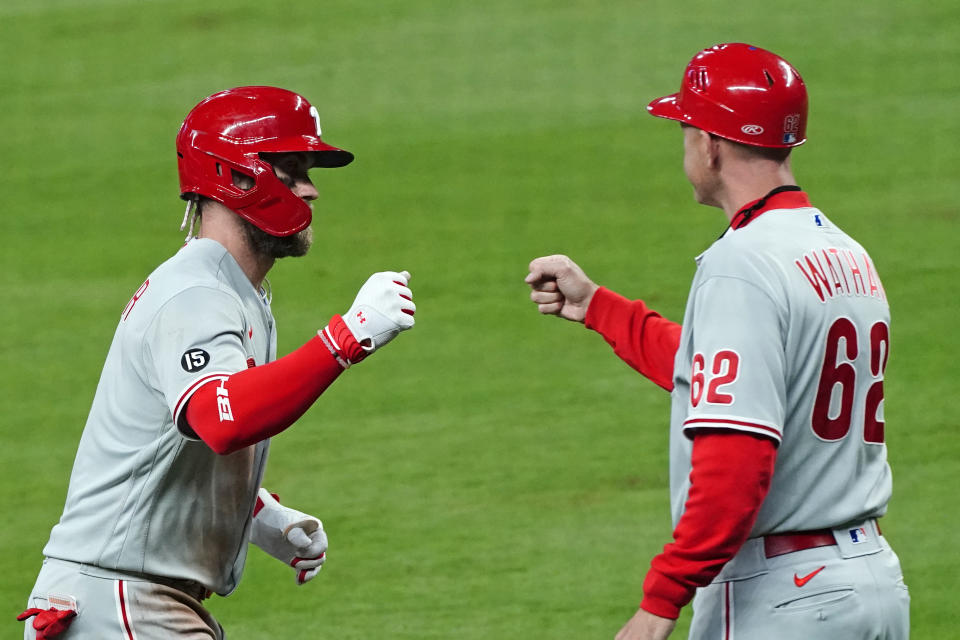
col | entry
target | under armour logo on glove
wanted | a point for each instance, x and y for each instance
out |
(49, 623)
(382, 309)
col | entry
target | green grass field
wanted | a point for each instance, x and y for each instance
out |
(492, 474)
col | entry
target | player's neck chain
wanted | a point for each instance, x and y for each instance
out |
(266, 292)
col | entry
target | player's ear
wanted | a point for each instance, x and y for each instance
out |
(712, 146)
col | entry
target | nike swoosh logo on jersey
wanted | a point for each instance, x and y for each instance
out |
(797, 580)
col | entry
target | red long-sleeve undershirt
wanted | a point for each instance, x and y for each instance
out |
(642, 338)
(728, 482)
(264, 400)
(730, 474)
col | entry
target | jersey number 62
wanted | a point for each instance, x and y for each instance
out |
(842, 374)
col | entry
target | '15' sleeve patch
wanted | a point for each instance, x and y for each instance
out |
(194, 360)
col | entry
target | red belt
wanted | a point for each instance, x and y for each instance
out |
(781, 543)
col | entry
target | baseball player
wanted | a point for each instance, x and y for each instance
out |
(165, 490)
(778, 469)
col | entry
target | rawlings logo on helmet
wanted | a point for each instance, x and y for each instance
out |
(752, 129)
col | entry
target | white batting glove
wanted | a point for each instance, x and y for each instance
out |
(290, 536)
(382, 309)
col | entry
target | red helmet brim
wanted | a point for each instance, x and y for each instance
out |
(667, 107)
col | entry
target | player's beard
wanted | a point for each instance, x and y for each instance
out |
(263, 243)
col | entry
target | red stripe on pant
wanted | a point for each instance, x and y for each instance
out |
(727, 610)
(124, 616)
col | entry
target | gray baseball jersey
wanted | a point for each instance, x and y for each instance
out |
(144, 496)
(786, 334)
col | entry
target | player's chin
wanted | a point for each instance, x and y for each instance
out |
(270, 246)
(292, 246)
(301, 243)
(697, 195)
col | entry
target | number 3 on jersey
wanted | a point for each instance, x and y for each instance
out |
(838, 382)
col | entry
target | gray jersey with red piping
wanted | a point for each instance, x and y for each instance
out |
(786, 335)
(146, 497)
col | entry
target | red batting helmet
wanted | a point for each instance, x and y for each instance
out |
(228, 131)
(742, 93)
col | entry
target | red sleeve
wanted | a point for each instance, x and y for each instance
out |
(728, 483)
(258, 403)
(642, 338)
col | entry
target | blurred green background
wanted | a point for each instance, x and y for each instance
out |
(493, 473)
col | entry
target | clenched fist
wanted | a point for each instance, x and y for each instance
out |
(382, 309)
(560, 287)
(294, 538)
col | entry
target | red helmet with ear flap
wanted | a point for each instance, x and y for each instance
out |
(742, 93)
(228, 131)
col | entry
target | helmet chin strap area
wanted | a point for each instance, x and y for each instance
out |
(191, 213)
